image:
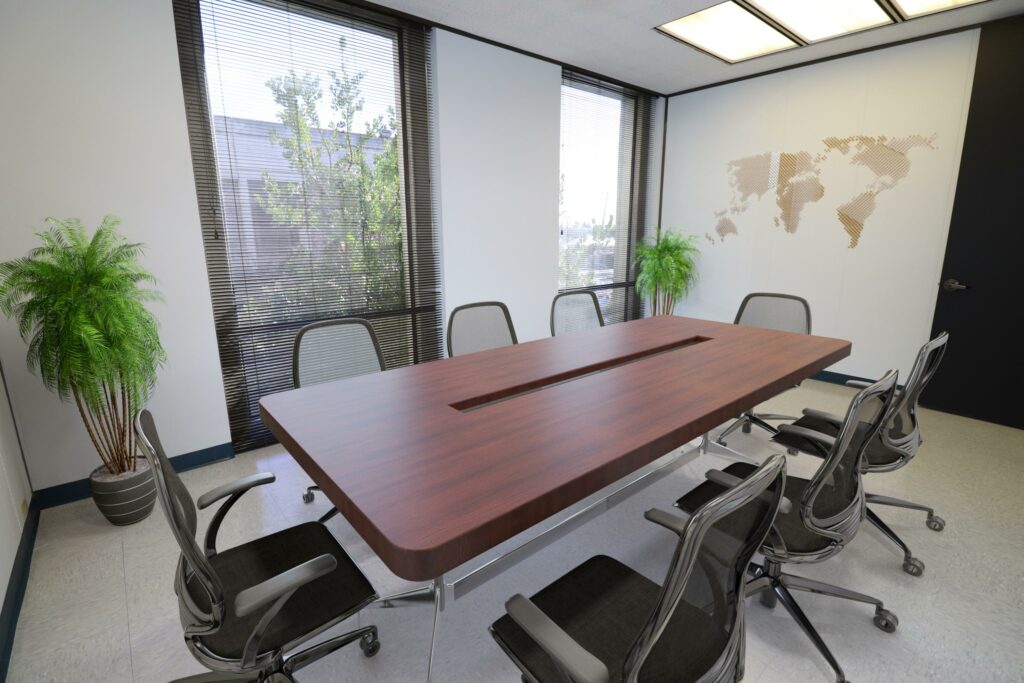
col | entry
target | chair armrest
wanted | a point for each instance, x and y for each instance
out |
(722, 478)
(803, 432)
(822, 415)
(580, 665)
(265, 592)
(857, 383)
(667, 519)
(730, 480)
(237, 486)
(232, 491)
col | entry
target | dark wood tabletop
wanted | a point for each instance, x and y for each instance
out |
(434, 464)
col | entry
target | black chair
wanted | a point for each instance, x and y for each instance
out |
(606, 622)
(895, 446)
(244, 609)
(783, 312)
(331, 350)
(478, 327)
(575, 311)
(828, 512)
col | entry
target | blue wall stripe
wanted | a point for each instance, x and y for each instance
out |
(16, 585)
(78, 490)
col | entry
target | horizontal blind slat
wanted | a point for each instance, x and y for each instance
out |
(310, 127)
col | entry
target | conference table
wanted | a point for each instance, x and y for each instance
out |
(437, 463)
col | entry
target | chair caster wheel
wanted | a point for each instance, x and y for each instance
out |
(886, 620)
(746, 427)
(370, 645)
(936, 523)
(307, 497)
(792, 451)
(722, 443)
(769, 599)
(913, 566)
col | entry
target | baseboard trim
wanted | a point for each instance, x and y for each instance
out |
(53, 496)
(16, 585)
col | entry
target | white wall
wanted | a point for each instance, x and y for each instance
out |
(15, 491)
(97, 126)
(498, 118)
(93, 120)
(881, 294)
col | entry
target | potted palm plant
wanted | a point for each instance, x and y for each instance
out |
(81, 310)
(667, 269)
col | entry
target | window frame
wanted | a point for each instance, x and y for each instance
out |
(637, 188)
(417, 166)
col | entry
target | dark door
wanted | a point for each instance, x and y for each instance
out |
(981, 291)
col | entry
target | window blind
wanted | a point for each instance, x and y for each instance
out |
(310, 128)
(605, 180)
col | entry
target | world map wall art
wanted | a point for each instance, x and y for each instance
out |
(795, 180)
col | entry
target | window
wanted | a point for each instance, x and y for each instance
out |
(605, 153)
(310, 137)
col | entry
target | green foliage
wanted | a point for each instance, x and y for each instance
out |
(80, 308)
(346, 205)
(576, 256)
(667, 270)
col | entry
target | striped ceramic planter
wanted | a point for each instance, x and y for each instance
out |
(124, 498)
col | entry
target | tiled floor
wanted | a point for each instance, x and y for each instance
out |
(100, 606)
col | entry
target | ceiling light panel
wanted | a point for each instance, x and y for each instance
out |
(814, 20)
(917, 8)
(729, 32)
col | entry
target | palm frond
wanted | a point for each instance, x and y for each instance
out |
(79, 307)
(667, 269)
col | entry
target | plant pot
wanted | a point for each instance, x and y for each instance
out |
(124, 498)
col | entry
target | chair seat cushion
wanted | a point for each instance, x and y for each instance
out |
(876, 454)
(797, 537)
(603, 605)
(316, 604)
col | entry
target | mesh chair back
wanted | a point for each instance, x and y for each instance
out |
(902, 432)
(574, 311)
(783, 312)
(335, 349)
(833, 502)
(194, 570)
(704, 590)
(478, 327)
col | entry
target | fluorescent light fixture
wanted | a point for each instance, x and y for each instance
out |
(814, 20)
(917, 8)
(728, 32)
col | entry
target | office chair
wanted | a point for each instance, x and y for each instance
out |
(894, 447)
(331, 350)
(478, 327)
(573, 311)
(245, 608)
(783, 312)
(606, 622)
(830, 507)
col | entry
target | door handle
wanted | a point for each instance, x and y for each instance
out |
(953, 285)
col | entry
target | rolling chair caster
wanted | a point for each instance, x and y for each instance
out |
(935, 523)
(913, 566)
(886, 620)
(307, 497)
(369, 644)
